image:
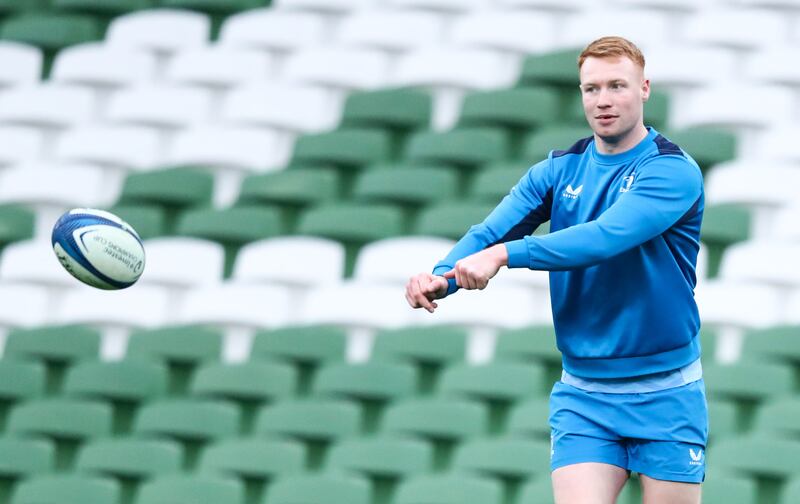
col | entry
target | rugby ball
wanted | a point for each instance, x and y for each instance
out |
(98, 248)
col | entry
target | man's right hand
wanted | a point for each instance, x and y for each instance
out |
(423, 289)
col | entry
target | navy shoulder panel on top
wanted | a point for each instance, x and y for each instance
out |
(667, 147)
(578, 147)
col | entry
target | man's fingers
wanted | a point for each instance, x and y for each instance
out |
(450, 274)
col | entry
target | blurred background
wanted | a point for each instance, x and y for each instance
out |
(289, 166)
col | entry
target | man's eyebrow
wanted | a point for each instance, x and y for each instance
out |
(611, 81)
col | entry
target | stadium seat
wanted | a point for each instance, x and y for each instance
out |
(250, 385)
(276, 30)
(373, 385)
(786, 226)
(164, 107)
(450, 220)
(723, 225)
(777, 142)
(537, 145)
(195, 488)
(16, 223)
(319, 489)
(180, 262)
(160, 30)
(776, 344)
(443, 421)
(57, 347)
(114, 147)
(218, 67)
(67, 489)
(384, 460)
(555, 68)
(430, 349)
(305, 347)
(393, 261)
(529, 418)
(464, 148)
(217, 10)
(387, 30)
(449, 489)
(19, 381)
(331, 67)
(231, 227)
(322, 6)
(761, 261)
(317, 423)
(20, 64)
(407, 186)
(738, 28)
(515, 109)
(181, 348)
(12, 6)
(531, 344)
(349, 149)
(708, 146)
(23, 144)
(506, 30)
(194, 423)
(778, 418)
(130, 461)
(285, 107)
(498, 385)
(508, 459)
(791, 492)
(102, 67)
(174, 189)
(723, 415)
(706, 106)
(495, 181)
(398, 110)
(22, 458)
(680, 67)
(68, 422)
(538, 489)
(101, 8)
(47, 105)
(124, 385)
(23, 306)
(353, 225)
(748, 384)
(647, 27)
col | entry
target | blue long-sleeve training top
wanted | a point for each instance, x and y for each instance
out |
(622, 250)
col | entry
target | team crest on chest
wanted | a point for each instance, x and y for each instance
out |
(627, 182)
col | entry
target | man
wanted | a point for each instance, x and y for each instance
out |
(625, 207)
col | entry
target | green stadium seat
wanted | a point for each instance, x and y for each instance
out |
(538, 490)
(791, 492)
(723, 225)
(231, 227)
(450, 219)
(774, 344)
(19, 381)
(255, 462)
(397, 110)
(444, 421)
(353, 225)
(728, 489)
(319, 489)
(68, 422)
(531, 344)
(181, 348)
(67, 489)
(707, 146)
(174, 189)
(149, 221)
(16, 223)
(14, 6)
(191, 488)
(124, 385)
(103, 8)
(464, 148)
(372, 384)
(55, 346)
(449, 489)
(192, 422)
(494, 182)
(293, 189)
(556, 68)
(384, 460)
(411, 187)
(317, 423)
(250, 385)
(516, 109)
(708, 343)
(723, 419)
(656, 110)
(530, 419)
(430, 349)
(537, 145)
(21, 458)
(780, 418)
(304, 347)
(748, 385)
(497, 384)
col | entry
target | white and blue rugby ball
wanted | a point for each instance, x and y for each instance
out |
(98, 248)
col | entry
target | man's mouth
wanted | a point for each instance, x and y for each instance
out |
(605, 116)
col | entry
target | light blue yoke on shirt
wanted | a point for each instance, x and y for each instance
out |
(638, 384)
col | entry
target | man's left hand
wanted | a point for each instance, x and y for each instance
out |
(475, 271)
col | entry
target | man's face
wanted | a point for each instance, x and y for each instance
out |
(614, 91)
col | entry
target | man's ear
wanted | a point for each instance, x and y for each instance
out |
(645, 90)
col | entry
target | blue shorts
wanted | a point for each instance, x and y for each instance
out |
(659, 434)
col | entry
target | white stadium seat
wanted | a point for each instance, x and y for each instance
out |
(786, 226)
(23, 305)
(677, 6)
(33, 262)
(160, 106)
(773, 65)
(295, 108)
(762, 261)
(394, 260)
(454, 6)
(505, 31)
(47, 105)
(357, 304)
(549, 5)
(160, 30)
(302, 261)
(389, 30)
(779, 142)
(218, 66)
(250, 149)
(742, 28)
(335, 68)
(676, 66)
(326, 6)
(495, 307)
(756, 106)
(21, 144)
(102, 66)
(182, 262)
(20, 64)
(274, 30)
(128, 147)
(644, 28)
(792, 313)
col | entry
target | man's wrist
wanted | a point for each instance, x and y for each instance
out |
(500, 255)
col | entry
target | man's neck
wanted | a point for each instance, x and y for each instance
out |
(619, 145)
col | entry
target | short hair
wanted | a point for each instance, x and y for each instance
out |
(612, 47)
